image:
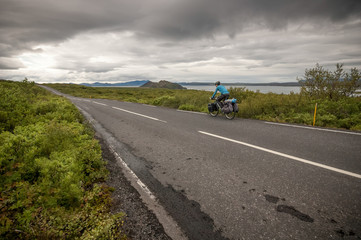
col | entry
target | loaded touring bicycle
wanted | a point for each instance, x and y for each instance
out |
(228, 107)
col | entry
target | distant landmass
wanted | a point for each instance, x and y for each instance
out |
(125, 84)
(285, 84)
(179, 85)
(162, 84)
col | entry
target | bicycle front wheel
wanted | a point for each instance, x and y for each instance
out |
(214, 113)
(230, 115)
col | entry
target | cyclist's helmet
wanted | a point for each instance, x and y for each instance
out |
(217, 83)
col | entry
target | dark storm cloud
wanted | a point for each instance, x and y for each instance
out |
(205, 18)
(26, 24)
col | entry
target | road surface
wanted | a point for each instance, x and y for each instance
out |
(239, 179)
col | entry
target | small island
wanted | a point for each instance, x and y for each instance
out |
(162, 84)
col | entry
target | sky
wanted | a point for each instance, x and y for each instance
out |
(254, 41)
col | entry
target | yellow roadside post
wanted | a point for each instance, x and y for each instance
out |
(314, 115)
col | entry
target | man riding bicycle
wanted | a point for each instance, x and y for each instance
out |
(228, 108)
(222, 89)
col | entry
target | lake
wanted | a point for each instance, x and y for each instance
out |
(262, 89)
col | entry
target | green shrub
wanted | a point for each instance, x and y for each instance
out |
(324, 84)
(160, 101)
(50, 170)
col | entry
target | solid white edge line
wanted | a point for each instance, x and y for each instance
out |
(138, 114)
(100, 103)
(191, 112)
(313, 128)
(139, 182)
(285, 155)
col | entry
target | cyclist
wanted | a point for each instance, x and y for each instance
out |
(222, 89)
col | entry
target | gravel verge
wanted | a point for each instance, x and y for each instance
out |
(139, 222)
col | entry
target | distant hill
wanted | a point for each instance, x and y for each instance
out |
(290, 84)
(125, 84)
(163, 84)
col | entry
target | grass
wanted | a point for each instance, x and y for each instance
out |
(285, 108)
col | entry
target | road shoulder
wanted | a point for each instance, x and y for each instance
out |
(140, 222)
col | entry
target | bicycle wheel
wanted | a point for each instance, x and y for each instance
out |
(230, 115)
(214, 113)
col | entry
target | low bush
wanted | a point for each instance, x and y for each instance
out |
(51, 169)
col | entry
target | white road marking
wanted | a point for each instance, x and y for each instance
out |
(156, 119)
(313, 128)
(139, 182)
(191, 112)
(285, 155)
(100, 103)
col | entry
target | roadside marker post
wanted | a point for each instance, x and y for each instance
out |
(314, 115)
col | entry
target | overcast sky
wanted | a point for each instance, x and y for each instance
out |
(176, 40)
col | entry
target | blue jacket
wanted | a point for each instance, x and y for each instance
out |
(221, 89)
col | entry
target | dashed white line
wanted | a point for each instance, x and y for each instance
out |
(285, 155)
(138, 114)
(313, 128)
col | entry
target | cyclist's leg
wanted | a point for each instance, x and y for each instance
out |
(220, 98)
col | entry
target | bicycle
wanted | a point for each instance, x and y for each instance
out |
(216, 107)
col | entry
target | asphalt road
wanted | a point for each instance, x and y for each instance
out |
(239, 179)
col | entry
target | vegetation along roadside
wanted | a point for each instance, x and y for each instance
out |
(52, 175)
(337, 106)
(51, 170)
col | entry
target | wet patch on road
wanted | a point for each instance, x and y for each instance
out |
(195, 223)
(272, 199)
(288, 209)
(294, 212)
(342, 233)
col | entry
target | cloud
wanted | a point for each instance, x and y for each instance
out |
(41, 21)
(207, 18)
(10, 63)
(116, 39)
